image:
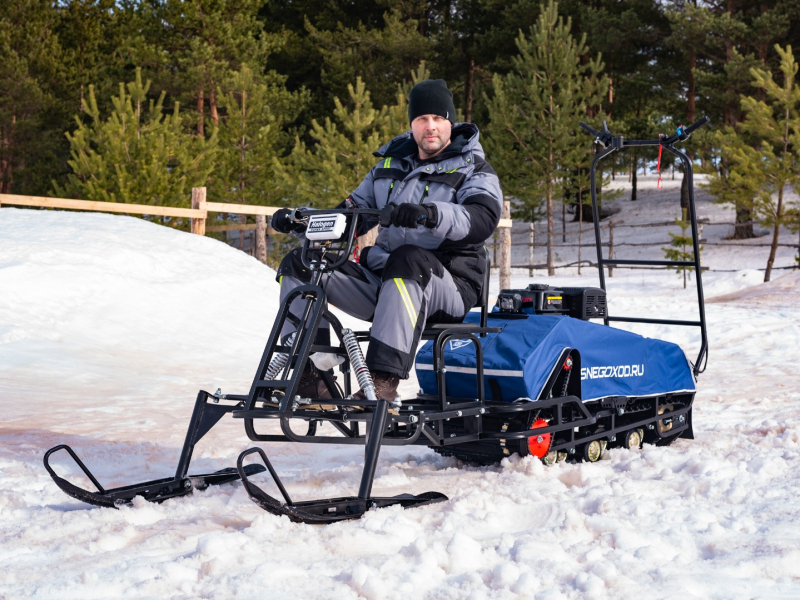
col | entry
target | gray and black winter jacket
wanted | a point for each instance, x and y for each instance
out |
(467, 195)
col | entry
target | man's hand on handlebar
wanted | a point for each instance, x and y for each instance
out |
(412, 215)
(284, 222)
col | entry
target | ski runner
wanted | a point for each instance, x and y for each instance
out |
(429, 264)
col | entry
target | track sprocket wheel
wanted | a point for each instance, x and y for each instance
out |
(539, 445)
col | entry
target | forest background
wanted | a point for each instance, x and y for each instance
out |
(282, 103)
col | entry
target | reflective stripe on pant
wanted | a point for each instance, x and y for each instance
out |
(415, 287)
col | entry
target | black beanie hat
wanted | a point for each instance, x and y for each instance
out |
(431, 97)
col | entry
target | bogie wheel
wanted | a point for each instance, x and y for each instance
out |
(633, 439)
(592, 451)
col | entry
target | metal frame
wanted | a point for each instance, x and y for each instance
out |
(613, 144)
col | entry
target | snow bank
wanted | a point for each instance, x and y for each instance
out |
(109, 325)
(776, 293)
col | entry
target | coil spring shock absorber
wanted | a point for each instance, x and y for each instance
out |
(279, 360)
(358, 364)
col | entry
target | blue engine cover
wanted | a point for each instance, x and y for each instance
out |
(523, 355)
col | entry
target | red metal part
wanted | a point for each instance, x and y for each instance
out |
(539, 445)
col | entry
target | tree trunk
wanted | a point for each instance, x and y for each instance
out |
(6, 158)
(690, 91)
(685, 192)
(580, 228)
(776, 231)
(743, 229)
(212, 101)
(201, 131)
(634, 180)
(469, 91)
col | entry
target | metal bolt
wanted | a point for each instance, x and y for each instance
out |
(412, 418)
(216, 400)
(651, 426)
(571, 450)
(483, 410)
(539, 439)
(620, 411)
(187, 485)
(681, 418)
(458, 413)
(452, 435)
(613, 438)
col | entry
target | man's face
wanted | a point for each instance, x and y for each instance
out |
(432, 134)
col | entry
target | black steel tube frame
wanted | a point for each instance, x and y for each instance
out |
(619, 143)
(204, 416)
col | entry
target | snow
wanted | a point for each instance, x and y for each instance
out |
(109, 325)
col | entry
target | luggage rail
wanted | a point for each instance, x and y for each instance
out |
(612, 143)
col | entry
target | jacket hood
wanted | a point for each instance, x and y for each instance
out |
(463, 139)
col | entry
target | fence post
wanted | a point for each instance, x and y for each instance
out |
(198, 200)
(261, 238)
(610, 246)
(532, 240)
(505, 249)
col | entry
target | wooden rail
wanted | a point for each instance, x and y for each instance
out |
(198, 214)
(114, 207)
(199, 211)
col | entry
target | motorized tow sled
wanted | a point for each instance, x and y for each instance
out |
(535, 376)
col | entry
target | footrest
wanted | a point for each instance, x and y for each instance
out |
(320, 512)
(157, 490)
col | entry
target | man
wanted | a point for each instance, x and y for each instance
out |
(429, 264)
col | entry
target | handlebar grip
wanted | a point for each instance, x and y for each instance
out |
(688, 130)
(590, 129)
(385, 216)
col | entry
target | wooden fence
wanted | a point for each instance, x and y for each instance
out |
(198, 215)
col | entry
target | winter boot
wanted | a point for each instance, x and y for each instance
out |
(311, 385)
(385, 386)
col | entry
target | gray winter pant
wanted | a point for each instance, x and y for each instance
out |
(412, 289)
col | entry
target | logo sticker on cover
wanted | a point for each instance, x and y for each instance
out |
(456, 344)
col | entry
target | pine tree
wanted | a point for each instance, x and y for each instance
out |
(323, 175)
(535, 111)
(678, 246)
(31, 108)
(255, 112)
(138, 154)
(380, 55)
(191, 48)
(763, 151)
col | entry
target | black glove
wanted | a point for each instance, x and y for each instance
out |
(410, 215)
(281, 221)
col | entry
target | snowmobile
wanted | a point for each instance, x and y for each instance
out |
(536, 374)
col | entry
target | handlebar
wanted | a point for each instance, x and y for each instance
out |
(590, 129)
(605, 137)
(342, 248)
(301, 215)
